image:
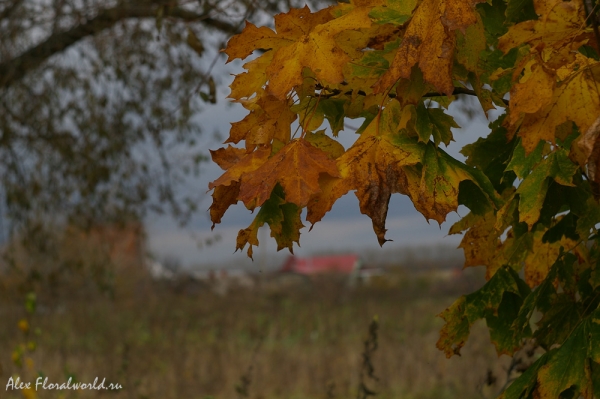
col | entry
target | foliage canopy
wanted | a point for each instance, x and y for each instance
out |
(531, 185)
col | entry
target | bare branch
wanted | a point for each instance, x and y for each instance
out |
(16, 68)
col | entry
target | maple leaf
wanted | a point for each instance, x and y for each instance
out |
(227, 157)
(429, 42)
(533, 91)
(543, 255)
(296, 167)
(289, 27)
(486, 303)
(410, 91)
(576, 99)
(227, 187)
(303, 39)
(318, 51)
(325, 143)
(560, 24)
(532, 190)
(470, 44)
(223, 198)
(569, 365)
(395, 12)
(246, 84)
(434, 122)
(481, 243)
(540, 299)
(372, 167)
(269, 119)
(235, 171)
(282, 217)
(439, 187)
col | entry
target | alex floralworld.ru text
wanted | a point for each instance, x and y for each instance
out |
(42, 383)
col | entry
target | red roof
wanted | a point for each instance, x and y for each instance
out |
(345, 264)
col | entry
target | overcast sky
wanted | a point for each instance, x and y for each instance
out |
(343, 228)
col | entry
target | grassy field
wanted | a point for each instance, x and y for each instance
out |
(302, 343)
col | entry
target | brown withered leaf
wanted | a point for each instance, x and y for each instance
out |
(223, 198)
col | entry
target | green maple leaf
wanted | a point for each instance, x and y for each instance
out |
(283, 219)
(490, 302)
(532, 190)
(569, 367)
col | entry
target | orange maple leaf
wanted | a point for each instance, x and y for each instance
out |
(245, 164)
(296, 167)
(237, 163)
(227, 157)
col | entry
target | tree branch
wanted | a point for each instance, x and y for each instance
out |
(460, 90)
(457, 90)
(16, 68)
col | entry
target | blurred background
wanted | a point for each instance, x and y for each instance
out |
(109, 265)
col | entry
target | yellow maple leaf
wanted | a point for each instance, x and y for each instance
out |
(303, 40)
(300, 22)
(289, 27)
(270, 118)
(481, 242)
(253, 38)
(318, 51)
(246, 84)
(575, 99)
(372, 167)
(438, 189)
(561, 23)
(429, 42)
(532, 92)
(543, 255)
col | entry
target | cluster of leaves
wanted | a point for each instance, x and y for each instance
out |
(530, 185)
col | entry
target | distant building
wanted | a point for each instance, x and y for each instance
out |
(328, 264)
